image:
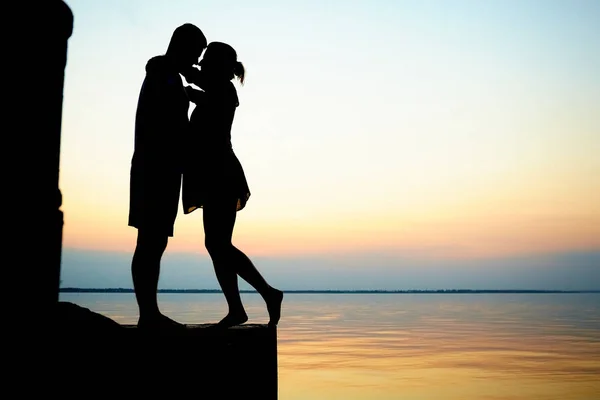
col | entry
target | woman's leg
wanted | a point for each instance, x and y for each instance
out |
(236, 260)
(219, 219)
(247, 271)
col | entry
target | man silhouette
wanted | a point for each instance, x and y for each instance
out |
(156, 166)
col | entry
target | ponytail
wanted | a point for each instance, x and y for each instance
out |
(239, 71)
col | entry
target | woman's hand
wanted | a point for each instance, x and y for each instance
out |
(193, 75)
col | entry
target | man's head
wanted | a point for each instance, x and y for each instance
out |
(186, 45)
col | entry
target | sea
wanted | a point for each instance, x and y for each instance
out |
(412, 346)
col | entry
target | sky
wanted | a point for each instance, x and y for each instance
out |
(387, 144)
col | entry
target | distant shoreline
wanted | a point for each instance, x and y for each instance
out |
(437, 291)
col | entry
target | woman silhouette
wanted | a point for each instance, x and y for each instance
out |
(214, 179)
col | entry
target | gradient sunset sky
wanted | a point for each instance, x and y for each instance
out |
(387, 144)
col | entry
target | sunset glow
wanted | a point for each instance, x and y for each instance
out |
(430, 129)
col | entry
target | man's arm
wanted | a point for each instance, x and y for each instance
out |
(156, 105)
(158, 115)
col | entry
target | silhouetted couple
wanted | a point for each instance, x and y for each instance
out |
(194, 156)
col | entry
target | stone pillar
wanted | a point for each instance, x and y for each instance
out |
(35, 70)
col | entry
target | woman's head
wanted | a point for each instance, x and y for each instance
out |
(220, 59)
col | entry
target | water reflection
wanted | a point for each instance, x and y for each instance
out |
(404, 346)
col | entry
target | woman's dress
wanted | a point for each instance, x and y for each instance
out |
(212, 172)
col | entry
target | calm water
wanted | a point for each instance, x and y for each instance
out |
(414, 346)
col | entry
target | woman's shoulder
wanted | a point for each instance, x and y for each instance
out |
(222, 94)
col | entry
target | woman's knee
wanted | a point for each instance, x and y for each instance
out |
(217, 246)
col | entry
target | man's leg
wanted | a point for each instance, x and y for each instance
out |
(145, 271)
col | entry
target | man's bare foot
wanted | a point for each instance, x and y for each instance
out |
(274, 300)
(233, 319)
(159, 322)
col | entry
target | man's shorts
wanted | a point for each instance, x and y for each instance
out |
(153, 198)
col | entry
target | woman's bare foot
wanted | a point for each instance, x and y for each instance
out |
(233, 319)
(274, 300)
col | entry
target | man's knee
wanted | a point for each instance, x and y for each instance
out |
(151, 241)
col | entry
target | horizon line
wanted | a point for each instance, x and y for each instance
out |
(332, 291)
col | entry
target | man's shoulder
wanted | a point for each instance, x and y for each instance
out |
(160, 76)
(161, 67)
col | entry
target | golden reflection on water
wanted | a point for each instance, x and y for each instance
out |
(354, 368)
(472, 352)
(413, 347)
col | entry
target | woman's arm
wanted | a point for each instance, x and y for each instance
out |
(195, 76)
(195, 96)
